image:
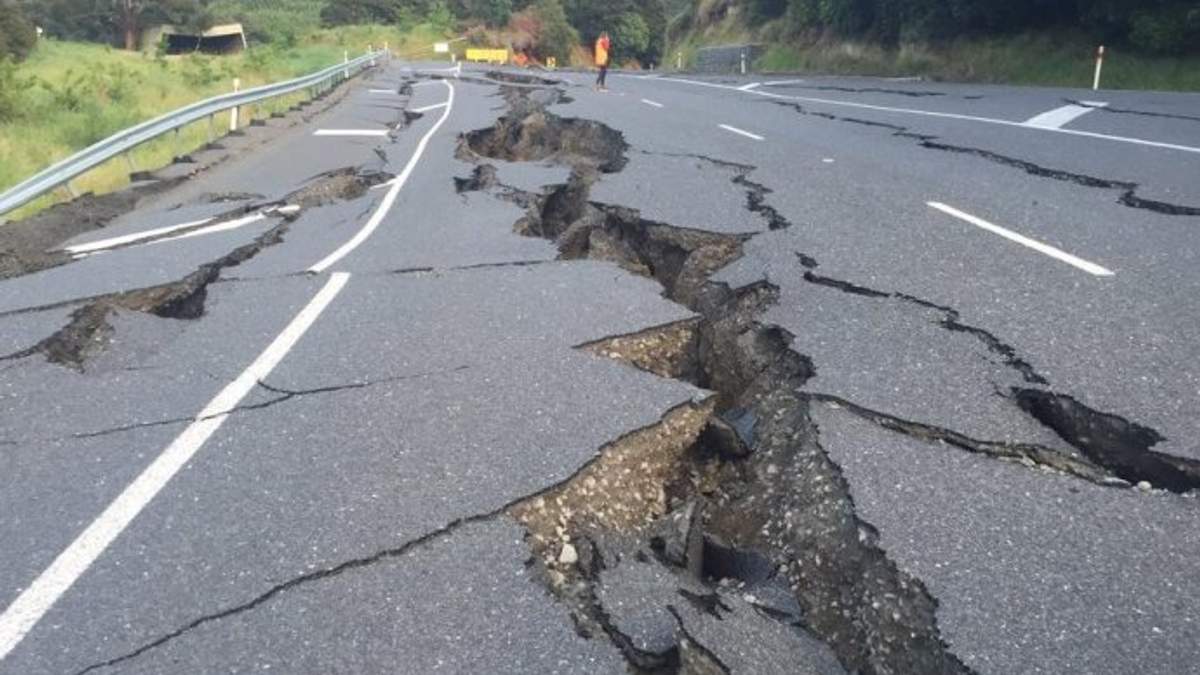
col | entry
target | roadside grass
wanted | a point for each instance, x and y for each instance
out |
(1062, 60)
(67, 96)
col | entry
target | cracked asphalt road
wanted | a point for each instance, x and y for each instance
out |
(296, 443)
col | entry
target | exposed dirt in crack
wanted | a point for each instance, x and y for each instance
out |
(753, 462)
(530, 133)
(1129, 190)
(337, 185)
(670, 351)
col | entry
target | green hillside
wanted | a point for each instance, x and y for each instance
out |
(1151, 44)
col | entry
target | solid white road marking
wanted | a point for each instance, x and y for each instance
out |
(1056, 253)
(427, 108)
(384, 91)
(390, 198)
(828, 160)
(104, 245)
(942, 115)
(129, 238)
(33, 603)
(350, 132)
(748, 87)
(740, 132)
(1054, 119)
(780, 83)
(218, 227)
(656, 104)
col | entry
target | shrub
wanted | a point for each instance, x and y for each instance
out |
(13, 89)
(557, 37)
(17, 34)
(1163, 31)
(631, 36)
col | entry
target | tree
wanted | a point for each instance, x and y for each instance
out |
(590, 18)
(17, 33)
(136, 15)
(119, 21)
(557, 37)
(630, 36)
(348, 12)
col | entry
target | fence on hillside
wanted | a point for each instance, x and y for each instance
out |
(728, 58)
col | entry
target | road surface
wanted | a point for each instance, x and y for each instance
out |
(308, 410)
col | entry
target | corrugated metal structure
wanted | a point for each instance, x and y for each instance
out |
(224, 39)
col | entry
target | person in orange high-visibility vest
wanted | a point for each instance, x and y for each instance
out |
(603, 45)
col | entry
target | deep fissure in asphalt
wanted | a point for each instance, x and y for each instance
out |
(784, 502)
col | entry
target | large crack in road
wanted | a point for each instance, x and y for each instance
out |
(779, 496)
(783, 503)
(725, 523)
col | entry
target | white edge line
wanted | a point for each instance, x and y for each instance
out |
(748, 87)
(1056, 253)
(350, 132)
(93, 246)
(390, 198)
(656, 104)
(741, 132)
(384, 91)
(427, 108)
(32, 604)
(930, 113)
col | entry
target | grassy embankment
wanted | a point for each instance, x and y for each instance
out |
(1049, 59)
(67, 96)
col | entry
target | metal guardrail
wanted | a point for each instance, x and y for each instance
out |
(728, 58)
(89, 158)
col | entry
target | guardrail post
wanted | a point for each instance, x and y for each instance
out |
(233, 112)
(70, 188)
(212, 128)
(129, 161)
(176, 144)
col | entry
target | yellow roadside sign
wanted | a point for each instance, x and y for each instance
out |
(488, 55)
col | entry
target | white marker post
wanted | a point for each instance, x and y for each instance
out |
(1099, 67)
(233, 112)
(743, 62)
(346, 60)
(679, 60)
